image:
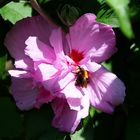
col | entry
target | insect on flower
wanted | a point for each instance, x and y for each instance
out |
(82, 77)
(64, 69)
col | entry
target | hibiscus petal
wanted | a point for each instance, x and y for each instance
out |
(96, 100)
(105, 90)
(65, 79)
(38, 51)
(60, 85)
(33, 26)
(74, 103)
(26, 64)
(45, 72)
(56, 42)
(71, 91)
(19, 73)
(92, 38)
(44, 97)
(52, 79)
(49, 76)
(85, 103)
(65, 119)
(91, 66)
(24, 92)
(73, 95)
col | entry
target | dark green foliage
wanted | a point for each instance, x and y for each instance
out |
(38, 125)
(10, 119)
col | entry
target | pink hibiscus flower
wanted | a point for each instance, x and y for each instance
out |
(64, 69)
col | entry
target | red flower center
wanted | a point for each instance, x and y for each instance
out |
(76, 56)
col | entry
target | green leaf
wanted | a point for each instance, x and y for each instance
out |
(101, 1)
(92, 112)
(2, 65)
(10, 120)
(68, 14)
(121, 9)
(43, 1)
(86, 132)
(83, 134)
(107, 16)
(108, 65)
(78, 135)
(15, 11)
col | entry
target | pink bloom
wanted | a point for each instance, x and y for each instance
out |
(64, 69)
(25, 89)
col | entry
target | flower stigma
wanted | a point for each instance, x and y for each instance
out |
(82, 77)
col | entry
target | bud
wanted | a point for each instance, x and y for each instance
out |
(68, 14)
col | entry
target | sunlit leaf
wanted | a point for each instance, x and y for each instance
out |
(101, 1)
(78, 135)
(83, 134)
(15, 11)
(107, 65)
(86, 132)
(92, 112)
(108, 16)
(121, 9)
